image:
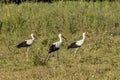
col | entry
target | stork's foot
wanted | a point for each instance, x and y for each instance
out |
(27, 59)
(57, 57)
(53, 55)
(75, 55)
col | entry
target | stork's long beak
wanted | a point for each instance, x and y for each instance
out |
(35, 36)
(64, 38)
(87, 34)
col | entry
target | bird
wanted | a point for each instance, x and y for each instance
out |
(77, 44)
(56, 46)
(26, 43)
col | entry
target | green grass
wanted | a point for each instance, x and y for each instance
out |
(97, 59)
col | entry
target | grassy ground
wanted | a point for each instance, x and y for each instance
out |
(97, 59)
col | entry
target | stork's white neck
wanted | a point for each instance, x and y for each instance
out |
(60, 38)
(32, 37)
(83, 36)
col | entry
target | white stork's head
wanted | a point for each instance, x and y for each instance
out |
(84, 34)
(31, 34)
(61, 36)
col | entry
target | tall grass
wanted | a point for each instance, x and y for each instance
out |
(97, 59)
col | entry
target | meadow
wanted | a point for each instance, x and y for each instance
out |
(97, 59)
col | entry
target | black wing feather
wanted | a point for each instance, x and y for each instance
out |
(22, 44)
(73, 45)
(53, 48)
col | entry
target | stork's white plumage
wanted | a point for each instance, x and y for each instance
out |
(56, 46)
(26, 43)
(77, 44)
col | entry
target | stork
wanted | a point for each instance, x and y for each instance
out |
(27, 44)
(77, 44)
(56, 46)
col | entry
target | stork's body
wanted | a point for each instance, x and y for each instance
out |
(77, 44)
(56, 46)
(27, 44)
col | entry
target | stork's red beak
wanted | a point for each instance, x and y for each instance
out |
(35, 36)
(64, 37)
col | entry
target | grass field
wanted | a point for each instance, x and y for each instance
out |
(97, 59)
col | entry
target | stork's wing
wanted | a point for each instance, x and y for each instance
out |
(22, 44)
(73, 45)
(52, 48)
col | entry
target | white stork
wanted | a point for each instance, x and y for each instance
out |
(27, 44)
(56, 46)
(77, 44)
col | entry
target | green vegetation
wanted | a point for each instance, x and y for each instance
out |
(98, 58)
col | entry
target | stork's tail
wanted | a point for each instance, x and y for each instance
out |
(68, 47)
(49, 51)
(18, 46)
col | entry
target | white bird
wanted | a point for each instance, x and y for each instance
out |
(26, 43)
(77, 44)
(56, 46)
